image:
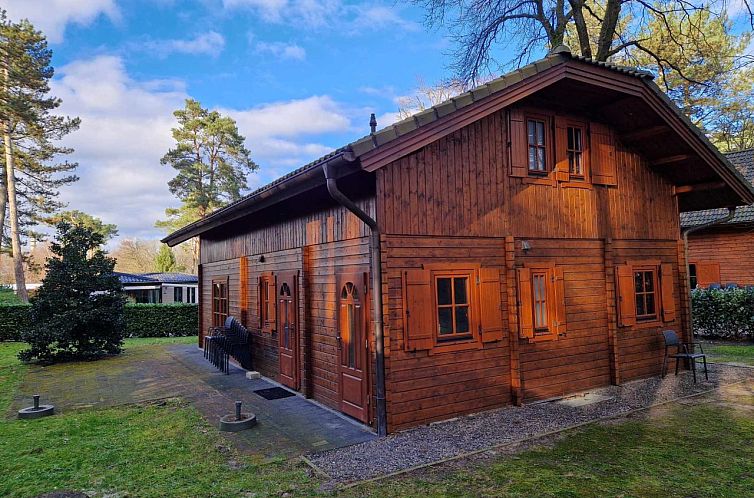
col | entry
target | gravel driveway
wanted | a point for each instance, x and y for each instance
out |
(440, 441)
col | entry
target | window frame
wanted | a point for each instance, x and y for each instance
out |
(583, 151)
(553, 330)
(454, 336)
(178, 294)
(220, 306)
(693, 279)
(656, 294)
(266, 301)
(547, 138)
(474, 339)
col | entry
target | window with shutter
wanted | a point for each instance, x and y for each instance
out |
(645, 293)
(541, 299)
(707, 272)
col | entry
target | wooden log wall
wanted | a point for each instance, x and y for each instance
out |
(731, 249)
(422, 387)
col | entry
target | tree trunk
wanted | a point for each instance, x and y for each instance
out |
(607, 31)
(15, 236)
(3, 205)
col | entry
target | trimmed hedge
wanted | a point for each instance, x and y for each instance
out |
(142, 320)
(161, 320)
(14, 317)
(723, 313)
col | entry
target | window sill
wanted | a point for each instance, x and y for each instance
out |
(450, 347)
(539, 180)
(542, 338)
(578, 184)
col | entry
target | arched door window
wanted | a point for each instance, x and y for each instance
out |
(350, 325)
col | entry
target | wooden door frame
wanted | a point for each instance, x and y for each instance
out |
(294, 278)
(361, 280)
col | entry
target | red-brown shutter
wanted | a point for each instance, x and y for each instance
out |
(418, 310)
(562, 170)
(624, 278)
(559, 304)
(491, 322)
(272, 308)
(668, 292)
(525, 306)
(707, 272)
(260, 302)
(243, 277)
(518, 144)
(603, 160)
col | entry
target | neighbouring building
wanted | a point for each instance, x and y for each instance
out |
(160, 287)
(723, 253)
(518, 242)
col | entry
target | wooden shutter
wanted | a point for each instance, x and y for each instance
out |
(272, 303)
(243, 276)
(419, 309)
(518, 144)
(562, 171)
(525, 304)
(491, 322)
(625, 293)
(559, 309)
(707, 272)
(668, 292)
(260, 302)
(603, 160)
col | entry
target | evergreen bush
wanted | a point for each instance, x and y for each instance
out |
(723, 313)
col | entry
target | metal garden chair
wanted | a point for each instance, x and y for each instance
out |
(683, 351)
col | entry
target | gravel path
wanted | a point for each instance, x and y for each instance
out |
(428, 444)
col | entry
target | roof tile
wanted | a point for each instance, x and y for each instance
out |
(445, 108)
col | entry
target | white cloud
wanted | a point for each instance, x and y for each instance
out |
(331, 14)
(210, 43)
(52, 16)
(281, 50)
(125, 130)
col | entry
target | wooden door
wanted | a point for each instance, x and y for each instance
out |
(288, 336)
(352, 347)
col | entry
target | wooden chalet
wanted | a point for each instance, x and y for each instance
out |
(518, 242)
(720, 245)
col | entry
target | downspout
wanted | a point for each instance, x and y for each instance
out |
(685, 234)
(375, 255)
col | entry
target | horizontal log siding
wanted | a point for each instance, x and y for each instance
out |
(423, 387)
(580, 359)
(641, 348)
(731, 249)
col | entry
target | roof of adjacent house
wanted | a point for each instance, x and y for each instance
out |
(743, 160)
(373, 141)
(156, 278)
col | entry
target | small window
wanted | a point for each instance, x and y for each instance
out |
(177, 294)
(537, 148)
(452, 302)
(219, 302)
(693, 282)
(645, 288)
(575, 151)
(265, 301)
(539, 299)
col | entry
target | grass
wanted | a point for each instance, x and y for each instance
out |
(698, 451)
(167, 449)
(730, 353)
(162, 449)
(7, 296)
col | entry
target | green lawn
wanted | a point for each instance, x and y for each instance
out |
(699, 451)
(168, 450)
(730, 353)
(153, 450)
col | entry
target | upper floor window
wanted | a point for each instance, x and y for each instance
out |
(536, 145)
(575, 150)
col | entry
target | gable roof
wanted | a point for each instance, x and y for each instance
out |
(743, 160)
(376, 149)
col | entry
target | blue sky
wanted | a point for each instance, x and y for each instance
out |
(300, 76)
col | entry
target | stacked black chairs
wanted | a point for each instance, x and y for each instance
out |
(230, 340)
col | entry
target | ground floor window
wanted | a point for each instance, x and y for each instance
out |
(219, 302)
(177, 294)
(645, 293)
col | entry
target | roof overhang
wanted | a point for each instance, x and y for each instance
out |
(627, 99)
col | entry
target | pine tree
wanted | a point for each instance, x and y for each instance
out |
(165, 260)
(80, 218)
(28, 131)
(78, 310)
